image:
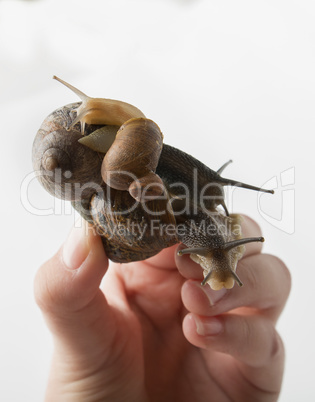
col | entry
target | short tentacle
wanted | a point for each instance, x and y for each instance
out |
(237, 279)
(233, 274)
(206, 278)
(219, 171)
(79, 118)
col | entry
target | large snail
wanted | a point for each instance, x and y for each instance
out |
(108, 159)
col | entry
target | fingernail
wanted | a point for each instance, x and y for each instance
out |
(213, 326)
(213, 295)
(75, 249)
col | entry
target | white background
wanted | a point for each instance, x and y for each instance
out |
(223, 79)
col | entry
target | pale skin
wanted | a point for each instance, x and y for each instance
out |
(151, 332)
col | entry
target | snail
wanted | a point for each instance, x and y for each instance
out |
(124, 123)
(140, 195)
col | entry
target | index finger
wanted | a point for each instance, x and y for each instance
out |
(250, 228)
(165, 259)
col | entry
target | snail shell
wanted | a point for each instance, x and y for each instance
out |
(61, 174)
(130, 231)
(131, 161)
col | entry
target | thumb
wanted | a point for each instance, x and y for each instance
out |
(67, 288)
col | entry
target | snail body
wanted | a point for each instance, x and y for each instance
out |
(101, 111)
(132, 189)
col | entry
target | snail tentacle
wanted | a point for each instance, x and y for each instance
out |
(236, 183)
(232, 273)
(207, 252)
(219, 171)
(236, 243)
(204, 251)
(77, 91)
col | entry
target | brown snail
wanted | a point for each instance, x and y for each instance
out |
(131, 160)
(172, 197)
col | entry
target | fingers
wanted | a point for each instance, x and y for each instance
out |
(190, 269)
(250, 228)
(266, 287)
(250, 339)
(248, 335)
(164, 260)
(67, 286)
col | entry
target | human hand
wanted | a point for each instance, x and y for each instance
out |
(151, 332)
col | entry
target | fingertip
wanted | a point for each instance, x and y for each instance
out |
(72, 276)
(250, 227)
(164, 259)
(201, 332)
(76, 248)
(251, 339)
(190, 328)
(81, 242)
(202, 300)
(94, 267)
(193, 298)
(187, 267)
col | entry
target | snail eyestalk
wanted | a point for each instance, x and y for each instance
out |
(80, 94)
(204, 251)
(240, 242)
(244, 185)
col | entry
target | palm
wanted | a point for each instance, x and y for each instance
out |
(153, 337)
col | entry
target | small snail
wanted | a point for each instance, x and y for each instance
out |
(109, 160)
(139, 158)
